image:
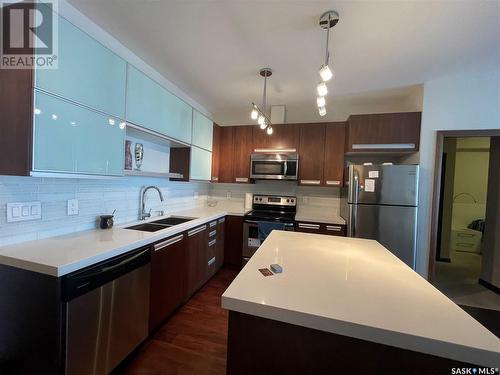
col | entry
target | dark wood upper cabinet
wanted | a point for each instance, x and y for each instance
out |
(283, 137)
(168, 279)
(334, 154)
(242, 149)
(16, 121)
(216, 143)
(384, 132)
(311, 153)
(225, 159)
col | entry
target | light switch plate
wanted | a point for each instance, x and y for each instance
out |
(22, 211)
(72, 207)
(228, 194)
(305, 199)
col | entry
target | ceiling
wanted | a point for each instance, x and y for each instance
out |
(381, 50)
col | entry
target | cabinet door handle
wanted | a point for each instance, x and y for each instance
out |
(241, 179)
(211, 261)
(197, 230)
(215, 178)
(212, 243)
(213, 224)
(221, 220)
(310, 182)
(382, 146)
(212, 233)
(333, 182)
(167, 243)
(334, 228)
(309, 226)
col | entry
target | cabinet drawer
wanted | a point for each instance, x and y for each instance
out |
(320, 228)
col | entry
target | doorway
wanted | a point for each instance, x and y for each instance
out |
(462, 251)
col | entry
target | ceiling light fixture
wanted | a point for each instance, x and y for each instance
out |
(259, 114)
(326, 22)
(321, 101)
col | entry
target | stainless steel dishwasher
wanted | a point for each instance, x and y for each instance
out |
(106, 310)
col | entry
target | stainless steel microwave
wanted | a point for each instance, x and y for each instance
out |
(274, 166)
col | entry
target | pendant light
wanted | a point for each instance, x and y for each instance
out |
(326, 22)
(259, 114)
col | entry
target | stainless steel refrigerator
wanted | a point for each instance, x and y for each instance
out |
(380, 203)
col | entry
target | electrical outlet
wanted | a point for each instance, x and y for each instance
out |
(22, 211)
(195, 195)
(305, 199)
(228, 195)
(72, 207)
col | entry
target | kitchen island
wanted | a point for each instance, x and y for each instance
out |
(346, 304)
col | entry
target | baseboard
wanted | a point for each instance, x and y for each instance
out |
(440, 259)
(489, 286)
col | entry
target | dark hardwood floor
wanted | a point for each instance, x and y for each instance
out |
(193, 341)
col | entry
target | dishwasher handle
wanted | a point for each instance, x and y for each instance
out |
(83, 281)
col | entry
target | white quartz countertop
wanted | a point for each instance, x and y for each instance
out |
(319, 214)
(357, 288)
(61, 255)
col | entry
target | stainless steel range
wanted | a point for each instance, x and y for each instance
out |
(268, 212)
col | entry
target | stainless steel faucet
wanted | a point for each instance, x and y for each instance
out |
(142, 213)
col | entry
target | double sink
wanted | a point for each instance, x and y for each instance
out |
(161, 224)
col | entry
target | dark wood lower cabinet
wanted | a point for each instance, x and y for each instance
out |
(321, 228)
(219, 248)
(168, 279)
(233, 246)
(196, 246)
(264, 346)
(31, 331)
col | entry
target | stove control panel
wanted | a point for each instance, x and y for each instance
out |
(275, 200)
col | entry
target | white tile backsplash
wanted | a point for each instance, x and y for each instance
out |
(95, 197)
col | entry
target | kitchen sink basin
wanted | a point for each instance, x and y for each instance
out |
(148, 227)
(173, 220)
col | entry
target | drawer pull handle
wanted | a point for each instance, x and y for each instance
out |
(309, 226)
(213, 224)
(215, 178)
(465, 244)
(241, 179)
(333, 182)
(469, 235)
(197, 230)
(170, 241)
(212, 243)
(211, 261)
(222, 220)
(335, 228)
(212, 233)
(310, 182)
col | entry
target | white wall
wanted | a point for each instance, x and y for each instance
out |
(465, 100)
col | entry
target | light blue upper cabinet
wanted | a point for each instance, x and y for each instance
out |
(202, 131)
(72, 139)
(201, 164)
(150, 105)
(87, 72)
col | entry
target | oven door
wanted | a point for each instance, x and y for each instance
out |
(274, 169)
(251, 241)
